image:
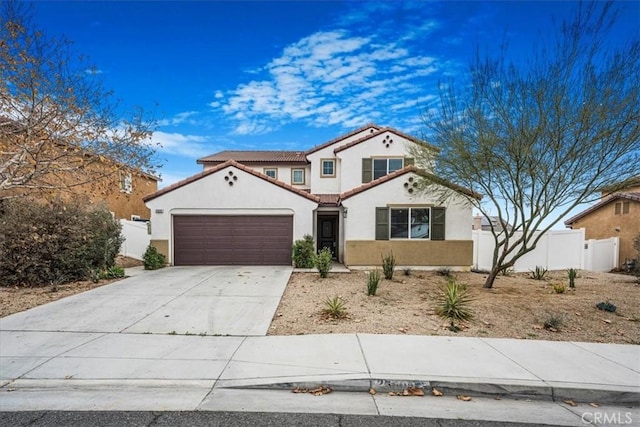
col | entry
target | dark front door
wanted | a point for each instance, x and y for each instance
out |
(328, 234)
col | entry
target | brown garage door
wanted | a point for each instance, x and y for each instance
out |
(232, 240)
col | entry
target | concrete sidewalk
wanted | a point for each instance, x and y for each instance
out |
(38, 368)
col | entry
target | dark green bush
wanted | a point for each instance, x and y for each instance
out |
(323, 262)
(152, 259)
(304, 252)
(55, 242)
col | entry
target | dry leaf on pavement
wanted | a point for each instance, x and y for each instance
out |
(570, 403)
(464, 398)
(436, 392)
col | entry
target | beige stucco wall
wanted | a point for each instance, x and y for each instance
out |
(602, 224)
(162, 246)
(428, 253)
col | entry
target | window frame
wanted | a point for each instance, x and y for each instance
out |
(275, 170)
(409, 210)
(333, 168)
(293, 173)
(126, 182)
(387, 159)
(626, 207)
(437, 222)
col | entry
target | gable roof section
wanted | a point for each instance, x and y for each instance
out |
(405, 170)
(635, 196)
(374, 128)
(224, 165)
(256, 157)
(381, 131)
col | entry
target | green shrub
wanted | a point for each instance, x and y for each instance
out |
(152, 259)
(335, 307)
(454, 304)
(372, 282)
(114, 272)
(388, 265)
(559, 288)
(538, 273)
(55, 242)
(572, 273)
(323, 262)
(304, 252)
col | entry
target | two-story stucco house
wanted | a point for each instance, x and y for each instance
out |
(356, 194)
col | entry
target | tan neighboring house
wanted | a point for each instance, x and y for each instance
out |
(123, 193)
(120, 189)
(615, 215)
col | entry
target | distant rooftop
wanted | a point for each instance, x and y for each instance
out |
(256, 157)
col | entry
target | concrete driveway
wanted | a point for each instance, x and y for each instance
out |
(182, 300)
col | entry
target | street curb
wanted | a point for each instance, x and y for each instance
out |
(515, 391)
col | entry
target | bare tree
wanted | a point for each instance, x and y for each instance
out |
(536, 138)
(59, 128)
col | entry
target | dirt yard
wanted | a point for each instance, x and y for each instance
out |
(15, 299)
(516, 307)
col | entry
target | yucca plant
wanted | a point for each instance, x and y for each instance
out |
(538, 273)
(372, 282)
(454, 304)
(572, 273)
(335, 307)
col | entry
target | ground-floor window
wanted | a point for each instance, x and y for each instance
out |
(410, 223)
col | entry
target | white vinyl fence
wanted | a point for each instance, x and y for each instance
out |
(137, 238)
(556, 250)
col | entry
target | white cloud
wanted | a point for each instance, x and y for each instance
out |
(182, 145)
(338, 76)
(184, 117)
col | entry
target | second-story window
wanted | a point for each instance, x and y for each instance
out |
(271, 172)
(126, 183)
(297, 176)
(328, 168)
(382, 167)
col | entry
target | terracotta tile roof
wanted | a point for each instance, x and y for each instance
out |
(237, 165)
(635, 196)
(345, 136)
(329, 199)
(256, 157)
(400, 172)
(381, 131)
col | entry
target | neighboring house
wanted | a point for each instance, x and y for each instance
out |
(356, 194)
(615, 215)
(480, 222)
(123, 193)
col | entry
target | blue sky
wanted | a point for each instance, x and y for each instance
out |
(289, 75)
